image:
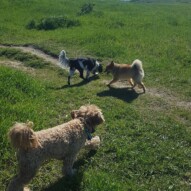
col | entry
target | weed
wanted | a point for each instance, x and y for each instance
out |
(52, 23)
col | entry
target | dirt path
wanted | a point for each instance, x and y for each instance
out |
(34, 51)
(167, 96)
(17, 65)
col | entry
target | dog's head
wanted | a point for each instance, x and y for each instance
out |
(109, 67)
(91, 114)
(98, 68)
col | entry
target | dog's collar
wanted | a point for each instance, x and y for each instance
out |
(89, 136)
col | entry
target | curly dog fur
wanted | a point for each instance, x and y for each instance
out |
(62, 142)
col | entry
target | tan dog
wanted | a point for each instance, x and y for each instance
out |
(134, 73)
(62, 142)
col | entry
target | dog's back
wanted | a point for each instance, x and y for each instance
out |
(126, 71)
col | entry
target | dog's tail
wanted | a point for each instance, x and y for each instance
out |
(138, 67)
(63, 60)
(23, 137)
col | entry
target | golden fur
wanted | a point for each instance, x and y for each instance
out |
(62, 142)
(134, 73)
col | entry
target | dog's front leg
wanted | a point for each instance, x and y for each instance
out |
(112, 81)
(68, 164)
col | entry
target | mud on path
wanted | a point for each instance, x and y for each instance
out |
(167, 96)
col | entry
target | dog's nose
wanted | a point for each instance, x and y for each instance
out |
(106, 71)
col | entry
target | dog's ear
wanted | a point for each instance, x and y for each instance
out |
(95, 119)
(99, 118)
(74, 114)
(112, 63)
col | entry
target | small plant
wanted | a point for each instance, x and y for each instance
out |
(86, 8)
(52, 23)
(31, 24)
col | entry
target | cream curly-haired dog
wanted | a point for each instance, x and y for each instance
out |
(62, 142)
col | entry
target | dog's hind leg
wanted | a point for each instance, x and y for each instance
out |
(131, 81)
(19, 181)
(142, 86)
(135, 83)
(68, 164)
(26, 173)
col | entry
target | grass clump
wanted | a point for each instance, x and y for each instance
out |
(86, 8)
(52, 23)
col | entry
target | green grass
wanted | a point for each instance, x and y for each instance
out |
(158, 34)
(145, 139)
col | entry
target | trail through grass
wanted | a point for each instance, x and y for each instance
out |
(145, 141)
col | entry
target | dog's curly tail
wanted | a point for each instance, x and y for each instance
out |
(23, 137)
(138, 66)
(64, 61)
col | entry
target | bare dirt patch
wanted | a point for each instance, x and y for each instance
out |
(34, 51)
(169, 98)
(17, 65)
(165, 95)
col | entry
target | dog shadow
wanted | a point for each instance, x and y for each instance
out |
(125, 94)
(82, 83)
(72, 183)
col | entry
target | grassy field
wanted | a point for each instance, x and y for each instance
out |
(146, 137)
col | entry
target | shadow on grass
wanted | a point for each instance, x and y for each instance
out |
(125, 94)
(82, 83)
(72, 183)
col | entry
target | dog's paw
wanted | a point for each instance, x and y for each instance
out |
(26, 189)
(70, 173)
(93, 144)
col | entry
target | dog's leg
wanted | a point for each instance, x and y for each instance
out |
(72, 70)
(143, 86)
(134, 85)
(19, 181)
(112, 81)
(68, 164)
(131, 82)
(81, 71)
(87, 74)
(26, 173)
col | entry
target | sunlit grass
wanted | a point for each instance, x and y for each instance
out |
(145, 141)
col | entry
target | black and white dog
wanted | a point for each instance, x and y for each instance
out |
(80, 64)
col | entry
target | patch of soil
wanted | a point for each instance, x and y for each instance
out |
(34, 51)
(17, 65)
(162, 94)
